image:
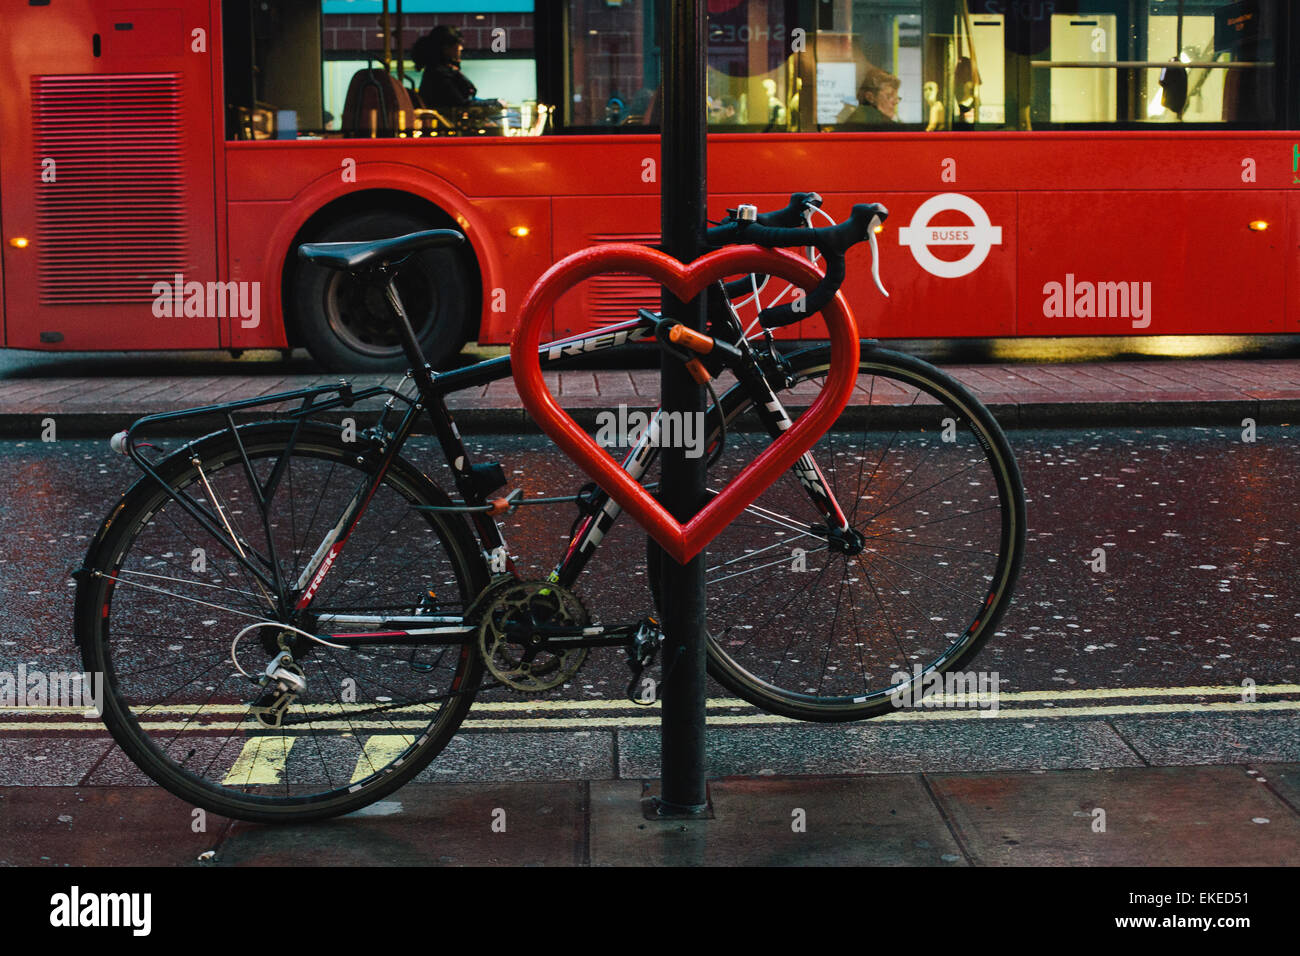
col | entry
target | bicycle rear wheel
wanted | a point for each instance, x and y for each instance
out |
(815, 628)
(162, 600)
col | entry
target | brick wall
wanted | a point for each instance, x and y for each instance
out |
(356, 33)
(610, 61)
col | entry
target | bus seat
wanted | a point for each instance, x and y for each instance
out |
(376, 105)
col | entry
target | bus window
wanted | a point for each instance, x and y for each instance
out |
(754, 59)
(868, 71)
(345, 68)
(612, 65)
(1168, 62)
(922, 65)
(272, 58)
(1000, 64)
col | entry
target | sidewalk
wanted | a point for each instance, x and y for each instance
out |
(1174, 392)
(1151, 816)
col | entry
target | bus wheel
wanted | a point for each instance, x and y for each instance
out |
(347, 326)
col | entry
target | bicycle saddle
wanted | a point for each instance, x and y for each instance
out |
(356, 256)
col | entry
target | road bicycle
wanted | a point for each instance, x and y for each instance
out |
(292, 621)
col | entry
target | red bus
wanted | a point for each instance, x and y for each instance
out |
(1053, 167)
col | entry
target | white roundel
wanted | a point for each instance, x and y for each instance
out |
(980, 235)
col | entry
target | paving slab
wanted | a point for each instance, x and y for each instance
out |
(950, 745)
(810, 821)
(1283, 779)
(102, 826)
(1184, 816)
(519, 824)
(524, 755)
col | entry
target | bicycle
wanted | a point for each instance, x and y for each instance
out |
(315, 678)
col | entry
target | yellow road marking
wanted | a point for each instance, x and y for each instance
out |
(505, 706)
(561, 723)
(261, 761)
(379, 751)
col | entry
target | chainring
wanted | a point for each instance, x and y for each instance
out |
(515, 652)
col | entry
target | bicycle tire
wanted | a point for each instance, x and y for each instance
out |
(340, 747)
(819, 657)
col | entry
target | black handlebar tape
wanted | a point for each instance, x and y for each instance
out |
(828, 240)
(743, 286)
(831, 241)
(792, 215)
(814, 301)
(789, 217)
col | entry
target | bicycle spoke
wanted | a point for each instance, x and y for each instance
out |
(146, 587)
(290, 741)
(772, 564)
(848, 622)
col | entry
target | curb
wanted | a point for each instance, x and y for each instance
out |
(1011, 415)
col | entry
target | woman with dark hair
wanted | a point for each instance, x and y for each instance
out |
(437, 54)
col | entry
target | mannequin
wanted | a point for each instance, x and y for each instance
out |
(935, 115)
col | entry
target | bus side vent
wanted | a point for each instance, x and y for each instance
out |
(110, 192)
(615, 296)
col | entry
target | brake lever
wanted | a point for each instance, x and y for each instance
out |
(875, 256)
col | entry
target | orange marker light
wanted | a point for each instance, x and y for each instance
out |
(518, 231)
(20, 242)
(1258, 225)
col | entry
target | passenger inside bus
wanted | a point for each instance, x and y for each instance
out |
(878, 97)
(437, 53)
(722, 109)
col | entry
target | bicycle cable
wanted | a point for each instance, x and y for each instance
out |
(284, 627)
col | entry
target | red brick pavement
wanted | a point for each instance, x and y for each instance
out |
(1021, 394)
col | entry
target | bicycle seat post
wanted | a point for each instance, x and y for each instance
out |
(410, 345)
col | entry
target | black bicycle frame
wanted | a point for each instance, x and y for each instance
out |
(474, 485)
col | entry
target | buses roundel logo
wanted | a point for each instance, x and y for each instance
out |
(980, 235)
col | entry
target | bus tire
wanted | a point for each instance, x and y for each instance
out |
(347, 327)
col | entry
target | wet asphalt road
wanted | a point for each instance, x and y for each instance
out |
(1137, 665)
(1199, 530)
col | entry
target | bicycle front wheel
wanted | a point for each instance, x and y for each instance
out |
(823, 626)
(162, 603)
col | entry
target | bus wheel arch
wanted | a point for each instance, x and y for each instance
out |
(346, 327)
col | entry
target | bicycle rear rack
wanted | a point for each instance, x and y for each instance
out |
(314, 400)
(124, 442)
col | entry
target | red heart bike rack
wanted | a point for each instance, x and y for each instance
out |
(683, 542)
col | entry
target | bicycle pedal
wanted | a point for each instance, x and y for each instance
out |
(643, 693)
(641, 652)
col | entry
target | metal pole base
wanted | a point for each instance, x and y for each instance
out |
(654, 807)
